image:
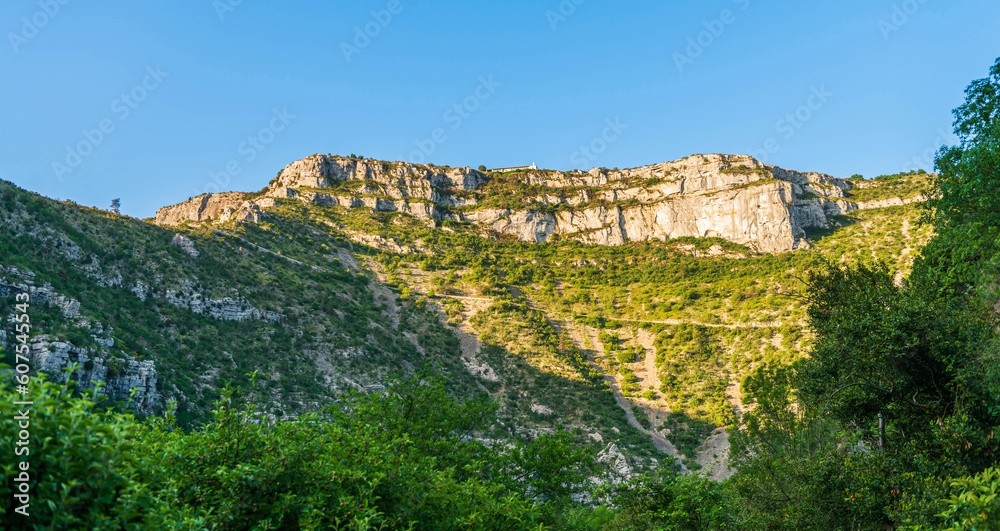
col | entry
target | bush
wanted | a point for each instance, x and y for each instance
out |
(627, 356)
(970, 504)
(81, 469)
(669, 502)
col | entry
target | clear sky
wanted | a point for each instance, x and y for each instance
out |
(152, 101)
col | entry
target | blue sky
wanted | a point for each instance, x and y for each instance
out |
(195, 96)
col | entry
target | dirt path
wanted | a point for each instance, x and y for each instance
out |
(259, 248)
(651, 376)
(713, 456)
(461, 298)
(676, 322)
(582, 337)
(659, 441)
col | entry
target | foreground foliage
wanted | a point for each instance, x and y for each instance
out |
(403, 460)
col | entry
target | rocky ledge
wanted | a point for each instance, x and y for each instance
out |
(733, 197)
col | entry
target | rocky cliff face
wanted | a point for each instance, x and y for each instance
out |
(733, 197)
(120, 376)
(124, 379)
(211, 207)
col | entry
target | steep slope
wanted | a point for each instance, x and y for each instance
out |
(179, 313)
(203, 307)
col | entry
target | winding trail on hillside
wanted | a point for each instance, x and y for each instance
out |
(674, 322)
(258, 247)
(677, 322)
(659, 441)
(461, 298)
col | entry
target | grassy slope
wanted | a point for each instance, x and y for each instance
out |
(329, 307)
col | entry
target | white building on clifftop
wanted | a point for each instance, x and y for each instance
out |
(514, 168)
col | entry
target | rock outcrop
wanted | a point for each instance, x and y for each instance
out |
(892, 202)
(120, 376)
(733, 197)
(185, 244)
(211, 207)
(51, 356)
(15, 281)
(223, 309)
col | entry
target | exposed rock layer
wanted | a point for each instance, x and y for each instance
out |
(733, 197)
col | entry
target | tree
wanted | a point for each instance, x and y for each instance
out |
(966, 209)
(975, 120)
(548, 469)
(116, 205)
(370, 462)
(898, 392)
(671, 502)
(786, 458)
(970, 504)
(482, 168)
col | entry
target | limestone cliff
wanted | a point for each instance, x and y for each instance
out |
(210, 207)
(119, 373)
(733, 197)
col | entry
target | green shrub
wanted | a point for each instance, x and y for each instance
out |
(670, 502)
(970, 504)
(83, 475)
(627, 356)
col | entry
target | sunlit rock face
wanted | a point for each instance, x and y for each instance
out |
(733, 197)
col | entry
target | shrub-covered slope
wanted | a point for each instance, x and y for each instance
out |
(639, 345)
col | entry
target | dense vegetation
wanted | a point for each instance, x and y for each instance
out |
(326, 309)
(397, 461)
(748, 308)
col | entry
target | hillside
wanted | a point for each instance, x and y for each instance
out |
(622, 305)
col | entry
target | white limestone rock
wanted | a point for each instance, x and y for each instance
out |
(119, 375)
(187, 297)
(186, 245)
